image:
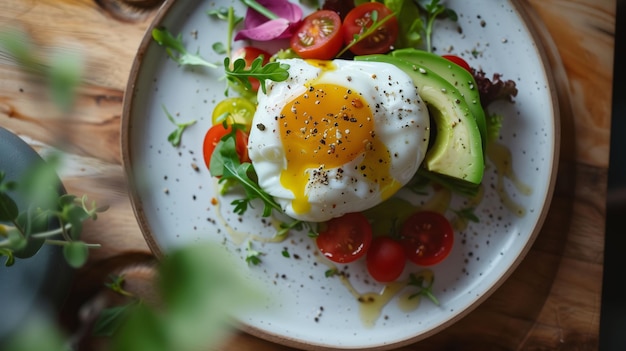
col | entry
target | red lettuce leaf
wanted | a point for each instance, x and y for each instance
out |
(494, 89)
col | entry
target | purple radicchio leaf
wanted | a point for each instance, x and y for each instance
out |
(258, 27)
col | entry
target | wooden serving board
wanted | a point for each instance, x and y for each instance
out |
(552, 301)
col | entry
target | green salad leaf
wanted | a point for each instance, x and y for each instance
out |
(226, 165)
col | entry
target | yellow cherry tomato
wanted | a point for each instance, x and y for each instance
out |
(234, 110)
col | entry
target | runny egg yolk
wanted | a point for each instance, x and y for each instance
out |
(327, 127)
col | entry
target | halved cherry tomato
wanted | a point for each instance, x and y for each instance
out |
(249, 53)
(318, 36)
(427, 237)
(345, 239)
(459, 61)
(385, 259)
(215, 134)
(364, 16)
(234, 110)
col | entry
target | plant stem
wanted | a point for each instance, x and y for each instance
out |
(50, 233)
(63, 243)
(253, 4)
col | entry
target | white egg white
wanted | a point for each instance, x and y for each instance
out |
(401, 123)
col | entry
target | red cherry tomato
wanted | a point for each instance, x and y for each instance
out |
(360, 18)
(249, 53)
(345, 238)
(385, 259)
(427, 237)
(215, 134)
(459, 61)
(319, 36)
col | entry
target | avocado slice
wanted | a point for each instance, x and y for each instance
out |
(457, 149)
(456, 75)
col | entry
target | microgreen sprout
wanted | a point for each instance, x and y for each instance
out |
(331, 272)
(365, 32)
(252, 256)
(111, 319)
(116, 284)
(176, 50)
(260, 9)
(175, 137)
(425, 286)
(226, 14)
(285, 228)
(435, 10)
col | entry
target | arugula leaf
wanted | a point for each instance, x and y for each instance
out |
(239, 74)
(175, 137)
(176, 49)
(226, 165)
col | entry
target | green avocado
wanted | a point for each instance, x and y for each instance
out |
(457, 150)
(456, 75)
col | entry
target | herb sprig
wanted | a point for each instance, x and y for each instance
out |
(175, 137)
(28, 230)
(435, 10)
(228, 15)
(239, 74)
(425, 285)
(175, 48)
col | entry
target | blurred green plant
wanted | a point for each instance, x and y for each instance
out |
(49, 218)
(29, 229)
(199, 288)
(198, 285)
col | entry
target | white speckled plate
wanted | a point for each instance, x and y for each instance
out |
(173, 194)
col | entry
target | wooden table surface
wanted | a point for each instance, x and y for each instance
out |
(552, 301)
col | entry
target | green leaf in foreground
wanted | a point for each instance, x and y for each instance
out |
(76, 253)
(36, 333)
(176, 49)
(110, 319)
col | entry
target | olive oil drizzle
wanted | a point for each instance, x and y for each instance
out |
(371, 303)
(502, 159)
